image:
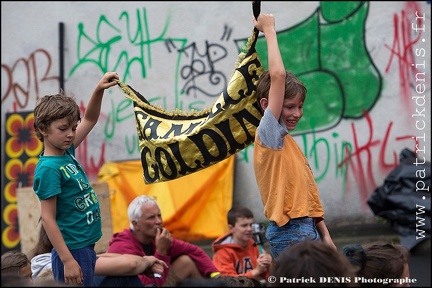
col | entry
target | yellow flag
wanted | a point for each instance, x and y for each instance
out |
(185, 202)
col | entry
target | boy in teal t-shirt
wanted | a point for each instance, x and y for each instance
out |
(70, 210)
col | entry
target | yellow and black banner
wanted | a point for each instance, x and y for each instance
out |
(175, 144)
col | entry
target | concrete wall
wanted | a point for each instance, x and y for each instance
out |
(362, 63)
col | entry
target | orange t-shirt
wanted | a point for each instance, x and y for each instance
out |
(286, 183)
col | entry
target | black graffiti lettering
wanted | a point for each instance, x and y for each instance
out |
(217, 143)
(147, 166)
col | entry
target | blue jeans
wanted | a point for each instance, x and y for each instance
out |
(296, 230)
(86, 258)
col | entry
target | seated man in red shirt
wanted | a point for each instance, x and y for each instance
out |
(146, 236)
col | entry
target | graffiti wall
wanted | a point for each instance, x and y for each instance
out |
(366, 66)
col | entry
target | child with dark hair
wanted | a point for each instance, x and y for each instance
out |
(235, 253)
(379, 260)
(16, 263)
(315, 262)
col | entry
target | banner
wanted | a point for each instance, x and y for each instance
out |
(178, 143)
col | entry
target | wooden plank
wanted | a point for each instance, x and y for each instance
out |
(29, 214)
(28, 217)
(103, 193)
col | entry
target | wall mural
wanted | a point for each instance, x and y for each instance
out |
(328, 50)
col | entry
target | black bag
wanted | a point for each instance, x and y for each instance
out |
(398, 201)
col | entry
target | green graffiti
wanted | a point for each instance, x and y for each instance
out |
(327, 51)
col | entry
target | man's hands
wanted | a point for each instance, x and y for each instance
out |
(163, 241)
(156, 266)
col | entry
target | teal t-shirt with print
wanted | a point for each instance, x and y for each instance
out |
(78, 212)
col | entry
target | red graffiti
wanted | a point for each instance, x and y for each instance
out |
(360, 159)
(90, 165)
(25, 77)
(402, 47)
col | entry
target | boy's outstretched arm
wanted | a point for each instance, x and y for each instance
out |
(266, 24)
(92, 111)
